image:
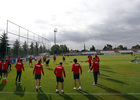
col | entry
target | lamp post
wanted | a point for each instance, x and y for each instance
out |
(55, 30)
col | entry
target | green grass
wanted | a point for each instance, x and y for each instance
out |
(117, 76)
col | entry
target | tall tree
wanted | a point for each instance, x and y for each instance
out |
(36, 49)
(92, 48)
(136, 47)
(108, 47)
(3, 45)
(16, 47)
(31, 49)
(25, 48)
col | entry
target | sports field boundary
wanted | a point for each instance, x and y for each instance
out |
(70, 93)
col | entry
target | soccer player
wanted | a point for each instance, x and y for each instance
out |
(37, 71)
(44, 59)
(30, 61)
(18, 59)
(1, 63)
(19, 66)
(9, 63)
(59, 72)
(75, 68)
(89, 61)
(5, 70)
(47, 63)
(95, 68)
(98, 59)
(54, 57)
(63, 58)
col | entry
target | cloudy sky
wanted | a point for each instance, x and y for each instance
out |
(79, 22)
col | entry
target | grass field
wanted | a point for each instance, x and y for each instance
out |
(119, 80)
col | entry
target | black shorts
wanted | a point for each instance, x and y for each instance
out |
(38, 76)
(4, 71)
(89, 64)
(30, 61)
(59, 79)
(76, 76)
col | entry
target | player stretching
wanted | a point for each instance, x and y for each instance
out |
(95, 68)
(5, 70)
(75, 68)
(19, 66)
(44, 59)
(37, 71)
(63, 58)
(1, 63)
(89, 61)
(59, 72)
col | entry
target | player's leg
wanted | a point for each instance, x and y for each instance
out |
(98, 72)
(17, 76)
(62, 86)
(79, 84)
(95, 78)
(1, 73)
(36, 83)
(20, 72)
(10, 66)
(57, 87)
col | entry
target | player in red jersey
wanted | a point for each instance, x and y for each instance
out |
(9, 63)
(37, 71)
(75, 68)
(89, 61)
(63, 58)
(1, 63)
(19, 66)
(44, 59)
(95, 68)
(54, 58)
(97, 59)
(5, 70)
(18, 59)
(59, 72)
(30, 61)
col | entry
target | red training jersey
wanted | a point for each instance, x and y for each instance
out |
(19, 66)
(95, 66)
(59, 70)
(1, 64)
(63, 58)
(76, 67)
(30, 59)
(37, 69)
(18, 59)
(44, 58)
(8, 60)
(5, 66)
(89, 60)
(54, 57)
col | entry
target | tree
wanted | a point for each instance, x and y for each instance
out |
(108, 47)
(25, 48)
(64, 49)
(31, 49)
(136, 47)
(3, 45)
(120, 47)
(55, 49)
(36, 49)
(92, 48)
(16, 47)
(40, 49)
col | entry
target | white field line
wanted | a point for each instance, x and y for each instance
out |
(70, 93)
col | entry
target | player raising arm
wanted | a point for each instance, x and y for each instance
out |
(37, 71)
(75, 68)
(59, 72)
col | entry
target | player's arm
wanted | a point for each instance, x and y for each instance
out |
(34, 71)
(42, 70)
(72, 68)
(55, 71)
(23, 67)
(63, 72)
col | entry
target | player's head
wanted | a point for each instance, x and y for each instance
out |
(2, 60)
(60, 63)
(39, 62)
(75, 60)
(93, 58)
(20, 60)
(6, 60)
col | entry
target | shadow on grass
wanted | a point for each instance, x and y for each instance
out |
(105, 67)
(2, 85)
(88, 95)
(42, 96)
(113, 80)
(19, 90)
(66, 97)
(107, 71)
(118, 93)
(104, 75)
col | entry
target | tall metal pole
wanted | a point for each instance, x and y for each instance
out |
(55, 30)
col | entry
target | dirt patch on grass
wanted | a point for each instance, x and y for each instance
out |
(127, 73)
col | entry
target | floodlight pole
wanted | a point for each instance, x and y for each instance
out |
(55, 30)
